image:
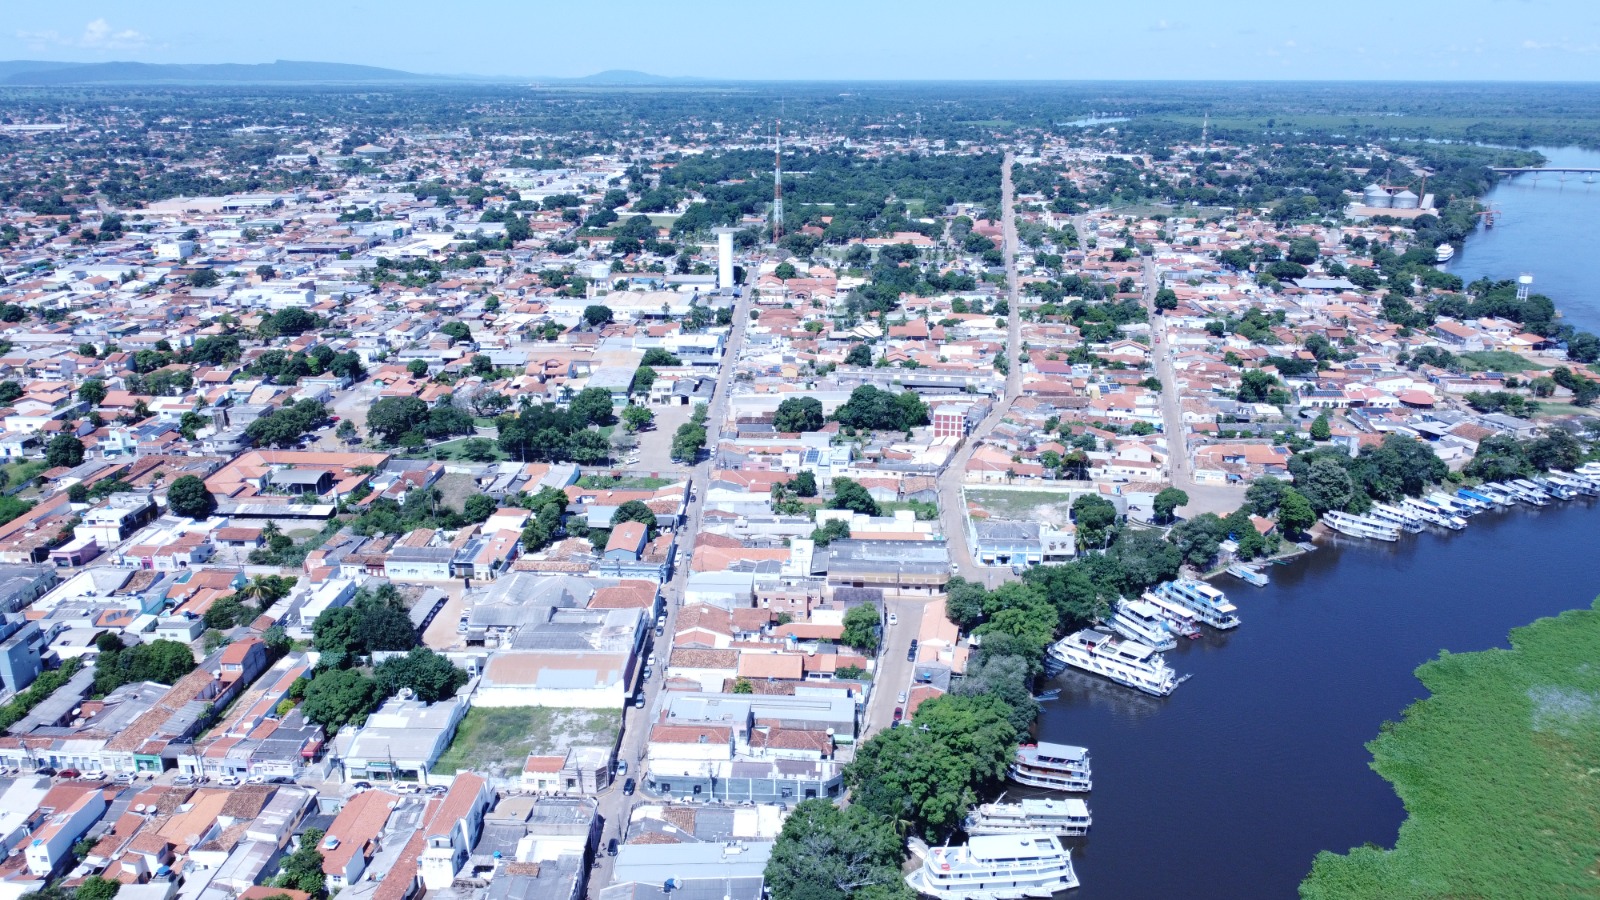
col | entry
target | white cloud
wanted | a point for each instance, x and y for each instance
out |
(1560, 46)
(98, 34)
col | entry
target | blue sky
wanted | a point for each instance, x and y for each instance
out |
(1539, 40)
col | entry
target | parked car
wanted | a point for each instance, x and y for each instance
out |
(228, 780)
(899, 713)
(184, 780)
(628, 786)
(622, 767)
(611, 848)
(902, 697)
(894, 619)
(638, 702)
(361, 786)
(44, 770)
(68, 773)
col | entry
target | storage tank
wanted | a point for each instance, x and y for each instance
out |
(1375, 195)
(1405, 200)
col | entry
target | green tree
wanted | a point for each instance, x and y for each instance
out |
(657, 356)
(204, 278)
(861, 628)
(478, 508)
(302, 869)
(1167, 501)
(593, 406)
(340, 697)
(1094, 516)
(1264, 494)
(478, 449)
(688, 441)
(596, 315)
(189, 496)
(92, 391)
(393, 417)
(418, 368)
(848, 494)
(96, 888)
(9, 391)
(63, 451)
(828, 853)
(458, 332)
(859, 355)
(634, 511)
(431, 676)
(1320, 430)
(805, 484)
(637, 418)
(835, 530)
(1327, 485)
(743, 686)
(798, 414)
(1295, 514)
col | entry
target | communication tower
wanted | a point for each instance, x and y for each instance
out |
(777, 181)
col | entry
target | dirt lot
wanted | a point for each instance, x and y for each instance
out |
(499, 741)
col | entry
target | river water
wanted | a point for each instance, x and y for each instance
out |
(1547, 228)
(1230, 787)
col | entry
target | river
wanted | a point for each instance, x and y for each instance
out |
(1230, 787)
(1546, 228)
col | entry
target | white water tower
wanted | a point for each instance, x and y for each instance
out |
(1524, 285)
(724, 257)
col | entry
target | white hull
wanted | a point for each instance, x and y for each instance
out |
(1360, 526)
(996, 867)
(1128, 663)
(1055, 767)
(1139, 621)
(1205, 602)
(1068, 817)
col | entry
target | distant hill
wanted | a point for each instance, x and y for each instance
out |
(629, 76)
(28, 72)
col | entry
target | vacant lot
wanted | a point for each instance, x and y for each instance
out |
(498, 741)
(1027, 506)
(1498, 361)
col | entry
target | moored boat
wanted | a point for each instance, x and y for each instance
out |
(1069, 816)
(996, 867)
(1056, 767)
(1143, 622)
(1394, 515)
(1353, 525)
(1129, 663)
(1444, 253)
(1208, 604)
(1248, 574)
(1179, 619)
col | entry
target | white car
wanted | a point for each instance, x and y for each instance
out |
(229, 780)
(901, 698)
(894, 619)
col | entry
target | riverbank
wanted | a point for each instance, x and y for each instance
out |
(1497, 770)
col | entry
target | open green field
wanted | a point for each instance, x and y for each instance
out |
(499, 741)
(1548, 410)
(631, 482)
(1500, 773)
(1497, 361)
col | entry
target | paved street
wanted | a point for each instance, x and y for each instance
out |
(1205, 498)
(952, 511)
(894, 670)
(615, 808)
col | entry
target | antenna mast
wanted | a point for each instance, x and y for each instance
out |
(777, 181)
(1205, 131)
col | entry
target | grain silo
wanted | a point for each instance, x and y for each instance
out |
(1375, 195)
(1405, 200)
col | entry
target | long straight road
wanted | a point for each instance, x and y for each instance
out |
(615, 807)
(952, 509)
(1203, 498)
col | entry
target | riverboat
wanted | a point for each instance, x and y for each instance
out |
(1248, 574)
(1400, 518)
(1056, 767)
(1444, 253)
(1179, 619)
(1143, 622)
(1208, 604)
(1360, 526)
(996, 867)
(1069, 816)
(1128, 663)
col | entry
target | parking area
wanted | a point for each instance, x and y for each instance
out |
(655, 445)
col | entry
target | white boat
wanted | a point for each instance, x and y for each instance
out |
(1589, 470)
(1396, 516)
(1444, 253)
(1360, 526)
(1534, 497)
(1249, 574)
(1178, 618)
(1433, 515)
(1554, 488)
(1057, 767)
(1530, 487)
(1069, 816)
(1576, 482)
(1460, 505)
(1498, 494)
(1129, 663)
(1143, 622)
(1208, 604)
(996, 867)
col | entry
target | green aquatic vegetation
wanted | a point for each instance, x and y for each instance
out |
(1500, 773)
